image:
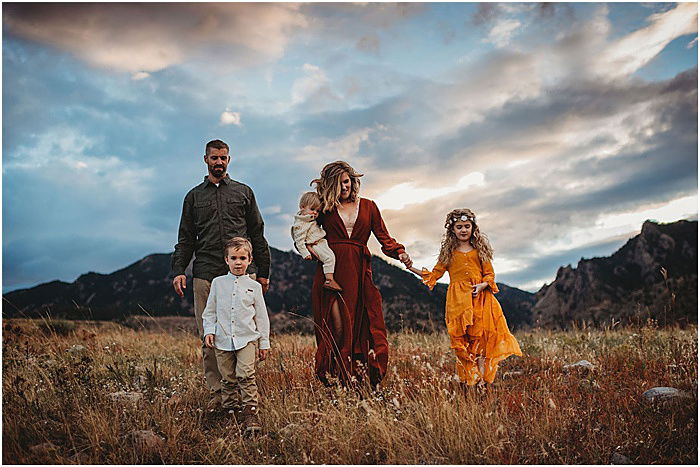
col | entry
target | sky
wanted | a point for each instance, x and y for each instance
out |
(562, 126)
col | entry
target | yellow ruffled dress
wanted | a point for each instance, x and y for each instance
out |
(476, 325)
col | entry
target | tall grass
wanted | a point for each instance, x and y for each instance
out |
(536, 412)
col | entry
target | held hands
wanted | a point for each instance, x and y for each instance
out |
(209, 340)
(262, 354)
(476, 289)
(406, 260)
(179, 284)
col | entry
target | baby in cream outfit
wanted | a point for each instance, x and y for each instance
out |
(309, 237)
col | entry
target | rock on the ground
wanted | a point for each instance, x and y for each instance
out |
(619, 459)
(146, 441)
(77, 348)
(126, 397)
(663, 394)
(582, 364)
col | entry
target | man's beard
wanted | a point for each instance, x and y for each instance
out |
(218, 171)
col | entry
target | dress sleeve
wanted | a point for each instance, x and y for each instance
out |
(431, 277)
(390, 246)
(489, 276)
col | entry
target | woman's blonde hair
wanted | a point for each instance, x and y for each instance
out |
(478, 240)
(328, 185)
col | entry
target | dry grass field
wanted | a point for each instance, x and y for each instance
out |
(57, 378)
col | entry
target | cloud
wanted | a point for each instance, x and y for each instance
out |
(343, 148)
(631, 52)
(230, 118)
(69, 159)
(404, 194)
(139, 75)
(275, 209)
(312, 92)
(502, 32)
(146, 37)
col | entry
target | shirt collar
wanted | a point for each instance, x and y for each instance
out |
(226, 180)
(233, 277)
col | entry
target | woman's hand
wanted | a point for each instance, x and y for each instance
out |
(262, 354)
(405, 259)
(478, 288)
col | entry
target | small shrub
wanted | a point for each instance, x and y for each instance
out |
(61, 327)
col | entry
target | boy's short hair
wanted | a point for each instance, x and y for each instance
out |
(310, 199)
(239, 243)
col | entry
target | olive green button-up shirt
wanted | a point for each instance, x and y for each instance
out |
(213, 215)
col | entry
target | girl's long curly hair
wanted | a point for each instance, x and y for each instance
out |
(328, 185)
(478, 240)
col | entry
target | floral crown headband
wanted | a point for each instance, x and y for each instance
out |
(462, 218)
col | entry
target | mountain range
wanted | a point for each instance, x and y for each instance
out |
(627, 286)
(654, 275)
(145, 287)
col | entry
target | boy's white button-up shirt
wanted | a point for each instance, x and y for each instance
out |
(236, 313)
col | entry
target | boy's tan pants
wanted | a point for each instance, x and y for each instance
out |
(237, 368)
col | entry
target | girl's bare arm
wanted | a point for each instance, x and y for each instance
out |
(415, 270)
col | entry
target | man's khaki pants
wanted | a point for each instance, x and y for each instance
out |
(238, 387)
(211, 370)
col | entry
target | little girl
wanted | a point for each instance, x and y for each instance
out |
(478, 331)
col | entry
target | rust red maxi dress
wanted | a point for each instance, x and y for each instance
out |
(363, 348)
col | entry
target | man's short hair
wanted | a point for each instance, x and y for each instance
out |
(310, 200)
(215, 144)
(239, 243)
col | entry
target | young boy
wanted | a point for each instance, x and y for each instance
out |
(310, 237)
(237, 327)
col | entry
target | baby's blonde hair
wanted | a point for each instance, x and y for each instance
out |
(478, 240)
(328, 185)
(310, 200)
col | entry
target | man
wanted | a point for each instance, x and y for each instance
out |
(213, 212)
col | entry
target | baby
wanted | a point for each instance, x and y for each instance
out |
(309, 237)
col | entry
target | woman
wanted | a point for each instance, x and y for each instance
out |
(350, 331)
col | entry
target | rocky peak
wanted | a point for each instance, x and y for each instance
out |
(629, 284)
